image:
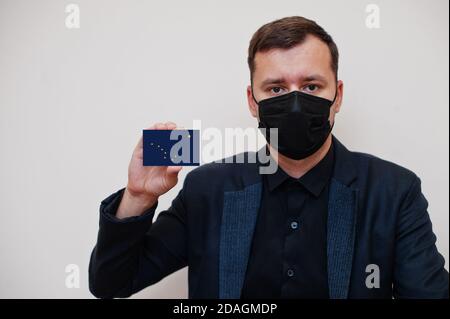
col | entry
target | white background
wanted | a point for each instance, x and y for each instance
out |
(73, 103)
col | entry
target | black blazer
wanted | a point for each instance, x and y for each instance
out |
(377, 219)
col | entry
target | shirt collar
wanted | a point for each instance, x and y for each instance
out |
(314, 180)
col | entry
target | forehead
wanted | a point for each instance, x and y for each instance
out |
(311, 56)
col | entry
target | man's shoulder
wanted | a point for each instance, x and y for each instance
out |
(379, 169)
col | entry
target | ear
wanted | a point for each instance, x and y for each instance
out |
(252, 106)
(339, 97)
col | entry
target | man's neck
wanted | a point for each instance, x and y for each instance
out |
(298, 168)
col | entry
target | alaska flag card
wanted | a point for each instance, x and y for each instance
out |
(171, 147)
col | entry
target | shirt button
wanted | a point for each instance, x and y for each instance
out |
(290, 273)
(294, 225)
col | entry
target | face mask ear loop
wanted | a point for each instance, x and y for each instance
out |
(251, 88)
(335, 96)
(267, 131)
(334, 100)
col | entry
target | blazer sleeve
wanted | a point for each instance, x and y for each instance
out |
(134, 253)
(419, 268)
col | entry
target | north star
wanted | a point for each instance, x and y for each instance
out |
(190, 309)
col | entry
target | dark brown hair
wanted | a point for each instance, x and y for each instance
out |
(286, 33)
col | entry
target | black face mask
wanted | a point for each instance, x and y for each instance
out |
(301, 120)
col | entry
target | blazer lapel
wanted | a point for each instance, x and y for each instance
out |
(340, 238)
(342, 207)
(240, 211)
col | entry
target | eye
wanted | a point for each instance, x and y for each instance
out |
(311, 87)
(276, 90)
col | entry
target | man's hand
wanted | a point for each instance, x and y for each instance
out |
(146, 183)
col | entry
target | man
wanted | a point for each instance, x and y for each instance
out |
(329, 223)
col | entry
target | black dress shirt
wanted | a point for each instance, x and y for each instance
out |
(288, 258)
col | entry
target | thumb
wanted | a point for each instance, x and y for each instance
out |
(174, 170)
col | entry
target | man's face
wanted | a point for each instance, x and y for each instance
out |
(305, 67)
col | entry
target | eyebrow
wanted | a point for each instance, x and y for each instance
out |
(272, 81)
(312, 77)
(316, 77)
